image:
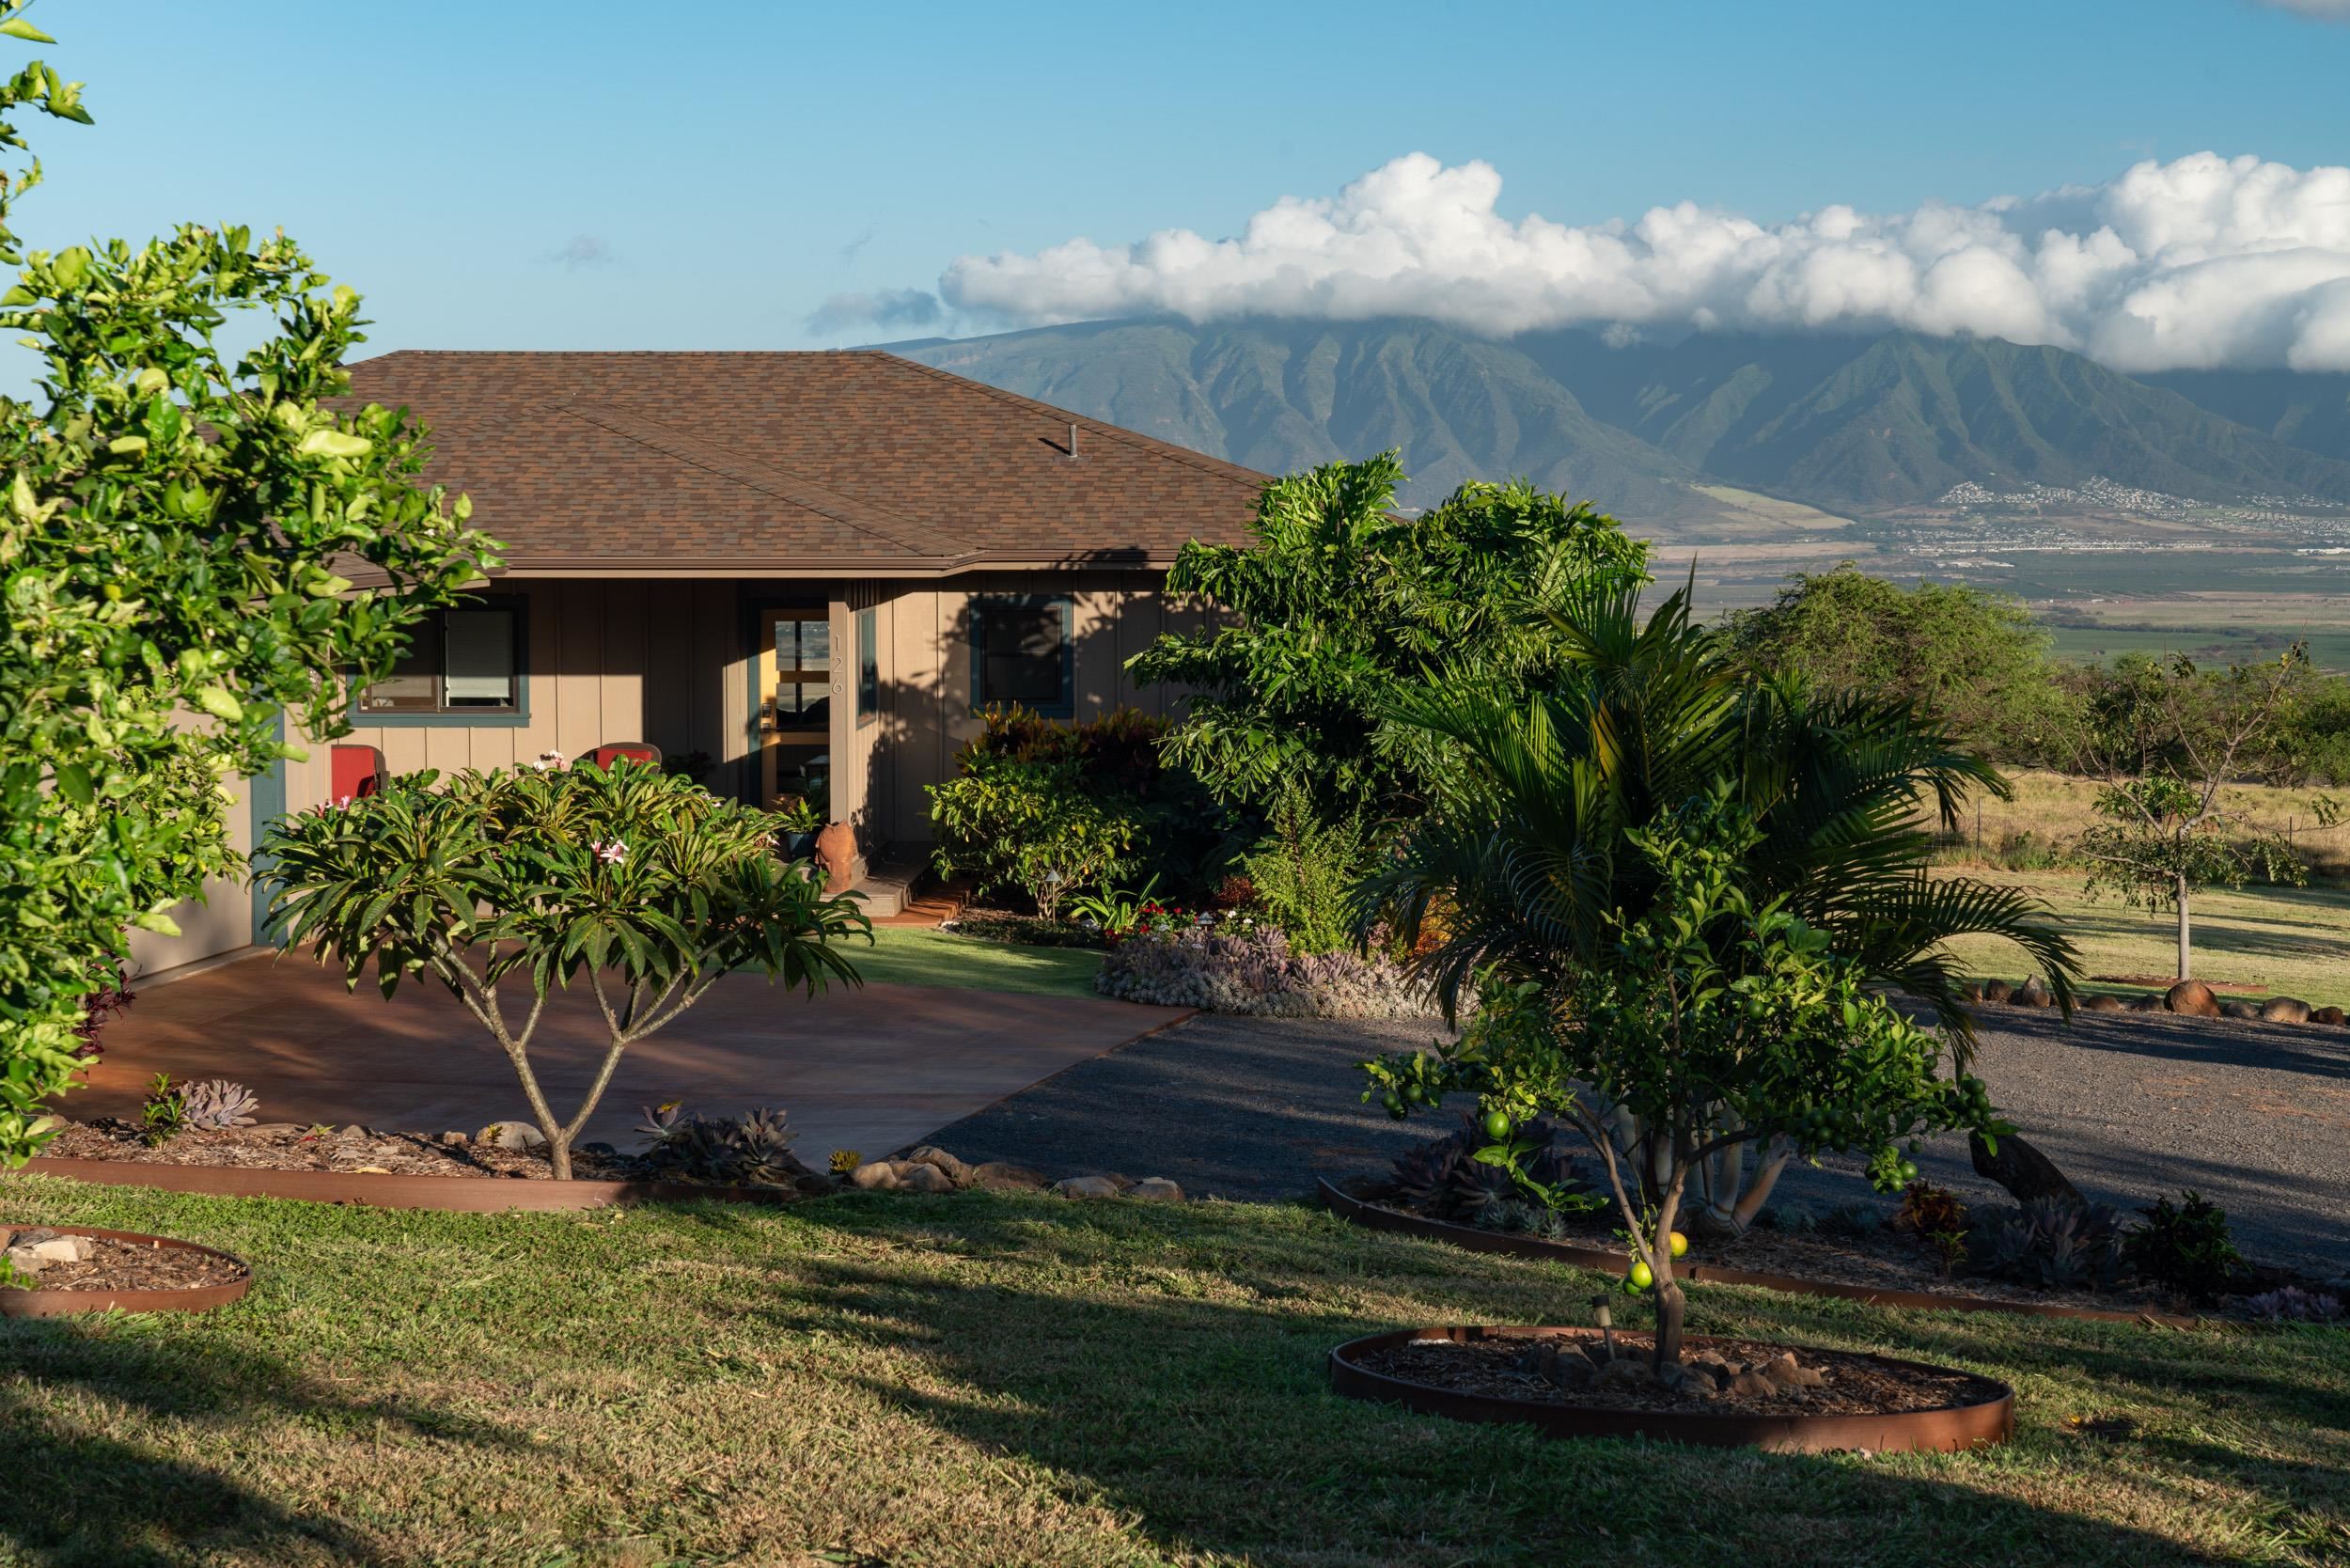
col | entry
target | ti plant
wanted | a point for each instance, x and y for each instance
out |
(643, 889)
(1711, 1020)
(181, 529)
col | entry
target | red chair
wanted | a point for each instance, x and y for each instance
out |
(356, 771)
(636, 751)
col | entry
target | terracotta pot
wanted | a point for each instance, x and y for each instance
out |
(836, 851)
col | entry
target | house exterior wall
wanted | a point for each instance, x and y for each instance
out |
(675, 663)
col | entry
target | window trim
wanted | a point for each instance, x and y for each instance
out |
(868, 688)
(1066, 706)
(453, 718)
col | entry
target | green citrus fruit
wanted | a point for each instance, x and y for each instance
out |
(1680, 1245)
(1642, 1276)
(1629, 1288)
(1496, 1125)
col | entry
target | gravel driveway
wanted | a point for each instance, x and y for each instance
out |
(2256, 1117)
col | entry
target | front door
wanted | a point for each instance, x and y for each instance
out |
(799, 682)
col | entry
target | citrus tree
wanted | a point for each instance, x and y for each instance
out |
(641, 885)
(1709, 1022)
(192, 545)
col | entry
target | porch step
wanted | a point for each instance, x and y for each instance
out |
(890, 888)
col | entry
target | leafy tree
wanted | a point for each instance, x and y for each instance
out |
(1340, 603)
(179, 544)
(1710, 1020)
(643, 884)
(1973, 664)
(2165, 738)
(1531, 878)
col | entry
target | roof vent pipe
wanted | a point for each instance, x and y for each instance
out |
(1072, 440)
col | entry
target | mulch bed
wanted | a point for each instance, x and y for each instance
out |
(120, 1265)
(287, 1147)
(1852, 1385)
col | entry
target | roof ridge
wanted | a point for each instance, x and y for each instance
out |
(1216, 467)
(770, 478)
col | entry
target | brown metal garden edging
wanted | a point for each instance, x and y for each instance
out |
(39, 1303)
(448, 1194)
(1945, 1429)
(1378, 1216)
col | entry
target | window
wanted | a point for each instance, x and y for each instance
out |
(868, 667)
(803, 678)
(460, 662)
(1020, 653)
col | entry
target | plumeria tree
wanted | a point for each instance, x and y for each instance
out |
(1709, 1022)
(193, 544)
(641, 888)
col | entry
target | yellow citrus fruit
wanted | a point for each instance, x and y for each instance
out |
(1680, 1243)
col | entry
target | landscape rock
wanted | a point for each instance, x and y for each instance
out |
(2192, 997)
(814, 1184)
(1996, 990)
(2034, 993)
(2149, 1003)
(2284, 1009)
(454, 1140)
(1004, 1176)
(1156, 1189)
(1752, 1384)
(913, 1177)
(2100, 1002)
(25, 1259)
(2027, 1174)
(55, 1249)
(957, 1171)
(2333, 1015)
(1626, 1372)
(2240, 1010)
(508, 1134)
(876, 1176)
(1087, 1186)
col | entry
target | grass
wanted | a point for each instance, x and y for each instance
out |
(2054, 808)
(2289, 940)
(912, 955)
(996, 1379)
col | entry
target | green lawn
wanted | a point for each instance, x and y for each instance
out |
(910, 955)
(2292, 940)
(1017, 1380)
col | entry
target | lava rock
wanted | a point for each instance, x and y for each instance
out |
(1623, 1372)
(2192, 997)
(2245, 1010)
(1996, 990)
(511, 1135)
(2284, 1009)
(2333, 1015)
(2149, 1003)
(2034, 993)
(2100, 1002)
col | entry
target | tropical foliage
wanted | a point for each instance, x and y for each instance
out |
(645, 886)
(1341, 604)
(1709, 1022)
(179, 543)
(1534, 878)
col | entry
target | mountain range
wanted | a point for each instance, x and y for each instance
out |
(1858, 426)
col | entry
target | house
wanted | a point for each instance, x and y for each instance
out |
(813, 569)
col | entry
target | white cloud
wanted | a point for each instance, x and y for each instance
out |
(2202, 262)
(890, 307)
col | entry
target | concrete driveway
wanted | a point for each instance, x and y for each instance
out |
(873, 1069)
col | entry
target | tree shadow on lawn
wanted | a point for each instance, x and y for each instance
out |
(1211, 1423)
(79, 1494)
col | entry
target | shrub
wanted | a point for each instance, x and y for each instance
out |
(1303, 871)
(1258, 973)
(1927, 1210)
(746, 1150)
(646, 886)
(2185, 1248)
(1449, 1178)
(1049, 808)
(163, 1113)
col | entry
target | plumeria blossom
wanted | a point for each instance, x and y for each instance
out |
(547, 761)
(611, 852)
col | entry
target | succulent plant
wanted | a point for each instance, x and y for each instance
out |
(2048, 1243)
(750, 1149)
(1444, 1179)
(2292, 1304)
(217, 1105)
(2185, 1246)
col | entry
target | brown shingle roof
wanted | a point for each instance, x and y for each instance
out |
(854, 461)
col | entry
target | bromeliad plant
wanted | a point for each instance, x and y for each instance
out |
(645, 887)
(1711, 1021)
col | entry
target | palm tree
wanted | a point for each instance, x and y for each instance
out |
(1521, 873)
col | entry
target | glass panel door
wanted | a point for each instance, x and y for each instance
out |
(795, 706)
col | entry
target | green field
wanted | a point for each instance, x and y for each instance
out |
(989, 1380)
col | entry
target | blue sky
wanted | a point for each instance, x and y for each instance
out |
(525, 175)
